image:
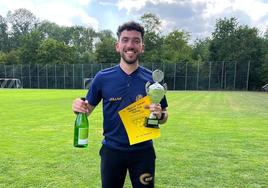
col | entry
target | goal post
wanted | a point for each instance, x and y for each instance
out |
(87, 82)
(10, 83)
(265, 87)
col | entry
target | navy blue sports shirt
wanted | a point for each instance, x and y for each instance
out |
(117, 90)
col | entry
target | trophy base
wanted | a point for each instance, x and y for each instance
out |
(151, 123)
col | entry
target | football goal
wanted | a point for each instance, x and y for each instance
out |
(10, 83)
(87, 82)
(265, 87)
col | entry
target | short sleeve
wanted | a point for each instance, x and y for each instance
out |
(94, 94)
(164, 103)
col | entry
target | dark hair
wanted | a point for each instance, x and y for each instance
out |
(129, 26)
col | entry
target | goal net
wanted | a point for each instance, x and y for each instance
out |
(87, 82)
(10, 83)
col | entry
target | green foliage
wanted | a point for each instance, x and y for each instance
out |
(232, 42)
(152, 39)
(151, 23)
(53, 31)
(82, 38)
(172, 48)
(3, 34)
(28, 39)
(54, 52)
(78, 37)
(224, 41)
(201, 49)
(13, 57)
(264, 72)
(176, 48)
(153, 48)
(3, 57)
(264, 66)
(105, 48)
(29, 47)
(22, 22)
(87, 57)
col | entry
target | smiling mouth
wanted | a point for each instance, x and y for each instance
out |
(130, 52)
(130, 56)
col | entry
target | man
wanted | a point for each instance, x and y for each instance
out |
(119, 87)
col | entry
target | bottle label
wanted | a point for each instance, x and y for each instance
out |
(83, 136)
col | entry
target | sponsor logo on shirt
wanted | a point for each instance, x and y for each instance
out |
(113, 99)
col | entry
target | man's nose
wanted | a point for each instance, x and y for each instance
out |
(130, 44)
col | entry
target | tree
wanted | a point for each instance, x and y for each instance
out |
(200, 50)
(152, 39)
(3, 35)
(13, 56)
(176, 47)
(264, 66)
(54, 31)
(223, 40)
(242, 44)
(266, 34)
(82, 38)
(104, 34)
(54, 52)
(232, 42)
(86, 57)
(78, 37)
(151, 23)
(29, 47)
(264, 72)
(3, 57)
(249, 45)
(105, 48)
(22, 22)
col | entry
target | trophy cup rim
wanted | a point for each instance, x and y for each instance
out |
(158, 75)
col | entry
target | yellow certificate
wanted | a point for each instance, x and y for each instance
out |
(133, 118)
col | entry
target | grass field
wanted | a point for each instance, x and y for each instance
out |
(212, 139)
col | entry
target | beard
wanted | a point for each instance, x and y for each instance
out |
(130, 61)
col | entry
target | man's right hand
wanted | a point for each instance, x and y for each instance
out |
(80, 106)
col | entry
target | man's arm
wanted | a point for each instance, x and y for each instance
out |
(164, 116)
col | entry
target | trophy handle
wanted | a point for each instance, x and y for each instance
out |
(147, 86)
(165, 87)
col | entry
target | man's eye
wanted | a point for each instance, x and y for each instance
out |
(124, 40)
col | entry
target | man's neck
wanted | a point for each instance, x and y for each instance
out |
(128, 68)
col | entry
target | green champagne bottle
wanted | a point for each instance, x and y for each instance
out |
(81, 130)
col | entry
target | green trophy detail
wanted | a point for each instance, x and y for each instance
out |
(81, 130)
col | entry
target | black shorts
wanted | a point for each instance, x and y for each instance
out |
(140, 165)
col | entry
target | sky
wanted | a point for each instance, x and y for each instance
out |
(197, 17)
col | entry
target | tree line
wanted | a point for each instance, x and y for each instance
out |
(24, 39)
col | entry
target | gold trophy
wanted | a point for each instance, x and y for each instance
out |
(156, 92)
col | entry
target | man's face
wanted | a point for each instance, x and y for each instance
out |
(130, 46)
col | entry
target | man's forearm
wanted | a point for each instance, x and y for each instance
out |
(164, 117)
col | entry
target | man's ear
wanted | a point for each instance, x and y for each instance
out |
(117, 47)
(142, 50)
